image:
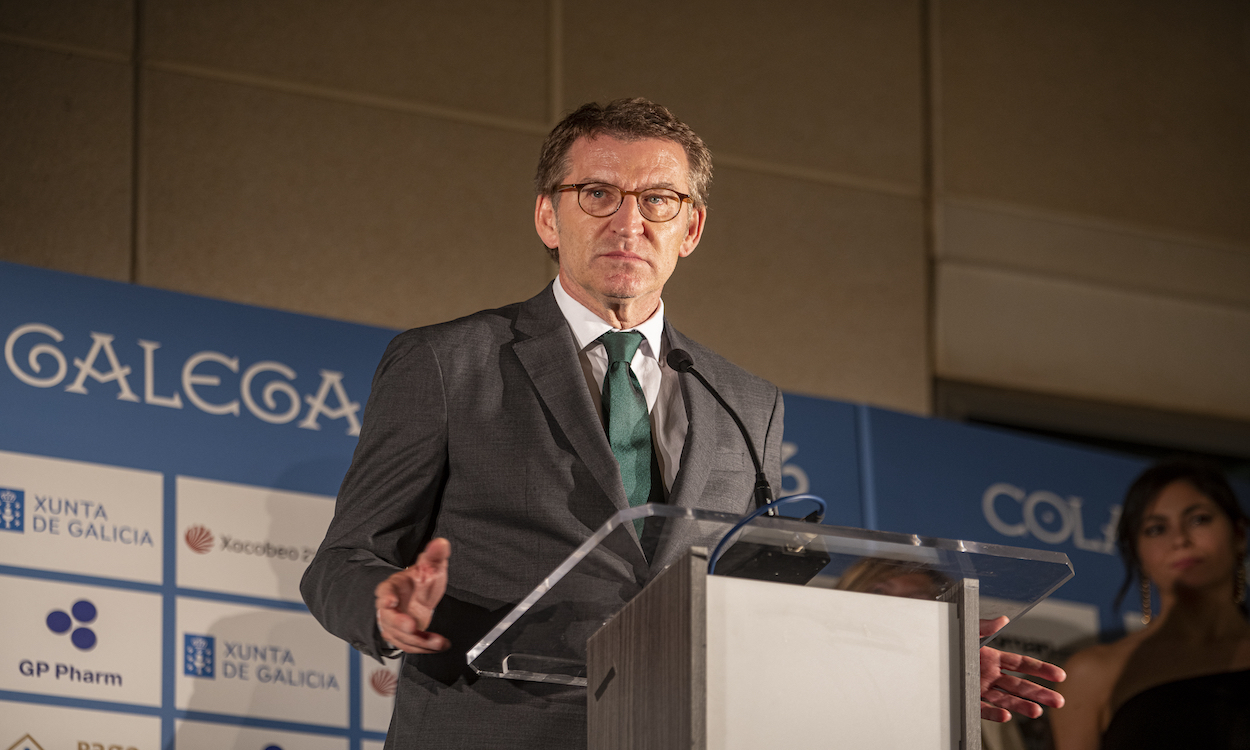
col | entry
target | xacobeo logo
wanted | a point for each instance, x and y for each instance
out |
(383, 682)
(199, 539)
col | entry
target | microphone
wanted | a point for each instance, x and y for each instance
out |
(681, 361)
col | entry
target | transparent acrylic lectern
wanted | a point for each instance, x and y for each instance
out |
(803, 620)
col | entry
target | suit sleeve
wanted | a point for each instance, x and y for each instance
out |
(389, 498)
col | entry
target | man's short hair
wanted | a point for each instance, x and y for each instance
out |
(628, 120)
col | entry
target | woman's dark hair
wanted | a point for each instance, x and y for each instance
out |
(1204, 476)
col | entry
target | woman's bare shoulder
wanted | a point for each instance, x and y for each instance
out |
(1103, 660)
(1092, 675)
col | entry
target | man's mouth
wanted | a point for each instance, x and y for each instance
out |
(623, 255)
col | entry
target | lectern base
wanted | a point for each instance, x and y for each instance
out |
(727, 663)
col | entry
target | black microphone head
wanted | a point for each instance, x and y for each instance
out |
(679, 359)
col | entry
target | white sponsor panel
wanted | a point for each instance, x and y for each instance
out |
(77, 517)
(377, 690)
(241, 539)
(28, 726)
(253, 661)
(194, 735)
(80, 641)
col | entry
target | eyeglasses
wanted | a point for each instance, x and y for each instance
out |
(600, 199)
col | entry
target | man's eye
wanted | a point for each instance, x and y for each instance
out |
(1152, 530)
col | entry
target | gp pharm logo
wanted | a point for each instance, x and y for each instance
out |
(77, 624)
(199, 656)
(79, 617)
(12, 510)
(1047, 517)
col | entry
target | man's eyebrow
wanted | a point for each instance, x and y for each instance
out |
(665, 184)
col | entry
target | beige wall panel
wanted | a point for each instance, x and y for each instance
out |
(827, 86)
(333, 209)
(820, 289)
(1130, 110)
(104, 25)
(482, 55)
(65, 144)
(1104, 254)
(1026, 332)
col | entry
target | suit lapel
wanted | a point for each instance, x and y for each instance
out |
(697, 457)
(549, 356)
(700, 445)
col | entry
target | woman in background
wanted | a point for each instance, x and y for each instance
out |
(1184, 680)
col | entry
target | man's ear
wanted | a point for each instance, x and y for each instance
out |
(694, 231)
(545, 221)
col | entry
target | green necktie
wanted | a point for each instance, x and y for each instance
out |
(625, 412)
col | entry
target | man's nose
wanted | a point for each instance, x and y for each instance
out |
(628, 220)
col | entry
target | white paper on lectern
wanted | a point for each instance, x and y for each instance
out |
(789, 666)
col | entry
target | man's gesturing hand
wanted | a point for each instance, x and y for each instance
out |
(405, 602)
(1002, 693)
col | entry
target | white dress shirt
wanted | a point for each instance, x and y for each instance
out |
(659, 382)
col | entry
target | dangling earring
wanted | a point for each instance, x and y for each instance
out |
(1145, 599)
(1239, 581)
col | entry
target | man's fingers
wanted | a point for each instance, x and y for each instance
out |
(1031, 691)
(405, 601)
(393, 592)
(420, 642)
(401, 631)
(1001, 692)
(433, 559)
(429, 577)
(990, 627)
(1010, 702)
(994, 713)
(1032, 667)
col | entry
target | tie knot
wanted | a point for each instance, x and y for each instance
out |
(621, 345)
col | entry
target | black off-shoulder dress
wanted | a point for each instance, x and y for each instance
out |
(1210, 712)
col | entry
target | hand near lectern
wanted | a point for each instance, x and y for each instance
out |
(405, 601)
(1003, 693)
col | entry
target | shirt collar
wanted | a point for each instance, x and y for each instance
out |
(588, 327)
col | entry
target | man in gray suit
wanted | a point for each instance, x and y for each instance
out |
(499, 436)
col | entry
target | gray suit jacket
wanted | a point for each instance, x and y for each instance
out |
(482, 430)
